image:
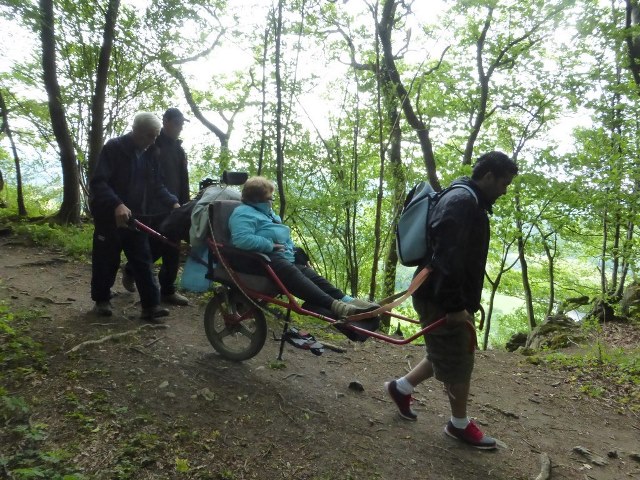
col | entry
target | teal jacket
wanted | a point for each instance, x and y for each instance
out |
(256, 227)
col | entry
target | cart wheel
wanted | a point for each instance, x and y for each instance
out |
(236, 329)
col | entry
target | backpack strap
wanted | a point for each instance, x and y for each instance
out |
(393, 301)
(466, 187)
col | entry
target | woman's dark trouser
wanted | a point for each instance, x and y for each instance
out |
(108, 242)
(305, 283)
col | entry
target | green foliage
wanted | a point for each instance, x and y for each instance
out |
(39, 200)
(20, 355)
(182, 465)
(609, 373)
(277, 365)
(136, 453)
(20, 358)
(73, 241)
(503, 325)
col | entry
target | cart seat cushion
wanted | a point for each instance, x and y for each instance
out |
(219, 212)
(254, 282)
(249, 271)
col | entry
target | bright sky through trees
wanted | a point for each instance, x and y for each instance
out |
(315, 104)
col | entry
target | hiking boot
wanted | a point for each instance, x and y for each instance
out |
(342, 309)
(153, 314)
(175, 299)
(402, 401)
(363, 303)
(471, 435)
(128, 281)
(103, 309)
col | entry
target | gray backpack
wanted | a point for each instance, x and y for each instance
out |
(412, 241)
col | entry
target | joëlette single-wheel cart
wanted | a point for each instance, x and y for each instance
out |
(234, 318)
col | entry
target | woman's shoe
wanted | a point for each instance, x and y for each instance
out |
(363, 303)
(343, 309)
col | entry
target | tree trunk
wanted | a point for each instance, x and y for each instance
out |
(524, 268)
(494, 289)
(483, 79)
(384, 32)
(381, 102)
(615, 264)
(398, 184)
(633, 41)
(350, 208)
(526, 285)
(263, 104)
(279, 124)
(603, 259)
(223, 137)
(625, 265)
(489, 313)
(551, 269)
(96, 134)
(69, 212)
(22, 211)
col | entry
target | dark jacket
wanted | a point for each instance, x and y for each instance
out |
(173, 166)
(459, 235)
(117, 180)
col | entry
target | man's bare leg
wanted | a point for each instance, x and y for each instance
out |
(458, 396)
(421, 372)
(400, 390)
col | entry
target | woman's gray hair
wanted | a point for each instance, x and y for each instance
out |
(146, 121)
(256, 189)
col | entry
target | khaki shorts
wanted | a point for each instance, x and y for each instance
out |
(447, 349)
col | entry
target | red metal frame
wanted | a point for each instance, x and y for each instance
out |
(141, 226)
(292, 305)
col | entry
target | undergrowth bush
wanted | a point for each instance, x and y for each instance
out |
(74, 241)
(22, 455)
(39, 200)
(601, 372)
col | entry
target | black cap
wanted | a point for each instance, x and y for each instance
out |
(173, 114)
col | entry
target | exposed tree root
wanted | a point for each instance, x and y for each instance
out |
(545, 469)
(114, 336)
(592, 457)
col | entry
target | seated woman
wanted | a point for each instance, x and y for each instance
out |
(256, 227)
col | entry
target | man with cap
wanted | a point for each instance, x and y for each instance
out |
(125, 178)
(172, 162)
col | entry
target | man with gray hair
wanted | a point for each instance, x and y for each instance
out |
(172, 163)
(125, 178)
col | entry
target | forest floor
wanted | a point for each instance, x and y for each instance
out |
(161, 404)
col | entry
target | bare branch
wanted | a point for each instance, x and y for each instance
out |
(203, 53)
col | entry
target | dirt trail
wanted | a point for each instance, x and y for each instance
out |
(161, 404)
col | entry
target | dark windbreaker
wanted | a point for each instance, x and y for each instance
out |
(121, 177)
(459, 235)
(173, 166)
